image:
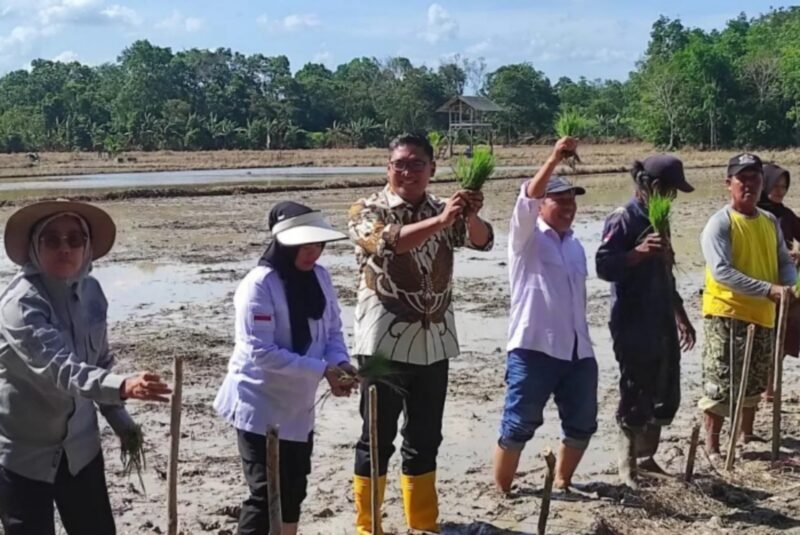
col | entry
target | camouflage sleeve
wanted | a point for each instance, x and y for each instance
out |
(369, 231)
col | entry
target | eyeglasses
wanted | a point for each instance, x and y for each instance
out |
(414, 166)
(53, 241)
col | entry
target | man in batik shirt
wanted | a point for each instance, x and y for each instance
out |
(405, 239)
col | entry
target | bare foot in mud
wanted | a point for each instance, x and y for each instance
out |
(747, 439)
(650, 467)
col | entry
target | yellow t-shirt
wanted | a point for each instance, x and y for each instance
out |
(754, 253)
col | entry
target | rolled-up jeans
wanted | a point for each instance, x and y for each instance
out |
(532, 378)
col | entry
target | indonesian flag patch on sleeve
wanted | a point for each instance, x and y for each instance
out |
(262, 318)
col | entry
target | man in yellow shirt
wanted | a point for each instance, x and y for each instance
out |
(747, 266)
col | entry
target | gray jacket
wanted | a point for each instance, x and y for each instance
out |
(54, 371)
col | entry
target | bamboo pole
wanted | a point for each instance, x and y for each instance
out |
(732, 367)
(692, 453)
(274, 481)
(176, 405)
(737, 419)
(777, 372)
(544, 512)
(374, 467)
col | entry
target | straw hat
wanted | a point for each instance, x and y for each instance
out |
(19, 226)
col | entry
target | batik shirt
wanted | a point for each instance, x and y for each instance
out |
(405, 310)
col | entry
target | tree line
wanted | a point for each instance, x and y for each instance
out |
(739, 86)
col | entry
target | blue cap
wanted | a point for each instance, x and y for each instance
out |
(558, 184)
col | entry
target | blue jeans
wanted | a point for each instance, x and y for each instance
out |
(531, 378)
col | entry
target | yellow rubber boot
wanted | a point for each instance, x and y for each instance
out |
(421, 502)
(363, 498)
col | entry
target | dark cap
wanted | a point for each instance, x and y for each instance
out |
(744, 162)
(558, 184)
(668, 170)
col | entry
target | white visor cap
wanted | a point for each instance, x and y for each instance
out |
(305, 229)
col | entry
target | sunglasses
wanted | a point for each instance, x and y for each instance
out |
(53, 241)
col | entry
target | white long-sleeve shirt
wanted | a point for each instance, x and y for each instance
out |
(548, 286)
(268, 384)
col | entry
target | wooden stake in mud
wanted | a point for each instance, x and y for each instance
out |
(732, 367)
(176, 405)
(274, 481)
(550, 459)
(737, 418)
(374, 470)
(777, 372)
(692, 453)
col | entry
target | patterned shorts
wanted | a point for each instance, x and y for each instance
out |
(717, 363)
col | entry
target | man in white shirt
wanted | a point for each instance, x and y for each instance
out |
(549, 349)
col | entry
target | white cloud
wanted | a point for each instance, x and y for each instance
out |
(323, 57)
(18, 41)
(441, 25)
(481, 47)
(289, 23)
(177, 22)
(299, 22)
(57, 12)
(67, 56)
(122, 14)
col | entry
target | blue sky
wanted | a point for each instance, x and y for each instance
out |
(560, 37)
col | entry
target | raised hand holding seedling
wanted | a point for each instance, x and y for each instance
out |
(565, 148)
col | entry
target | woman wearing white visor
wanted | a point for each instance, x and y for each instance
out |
(288, 338)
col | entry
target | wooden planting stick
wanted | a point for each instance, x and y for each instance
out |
(374, 467)
(692, 453)
(777, 373)
(737, 419)
(544, 512)
(176, 405)
(274, 481)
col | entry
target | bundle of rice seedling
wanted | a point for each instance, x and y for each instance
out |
(372, 369)
(571, 124)
(473, 172)
(658, 212)
(132, 454)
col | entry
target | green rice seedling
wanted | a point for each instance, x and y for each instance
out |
(472, 173)
(132, 454)
(374, 369)
(658, 212)
(571, 124)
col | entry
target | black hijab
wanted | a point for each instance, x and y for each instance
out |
(304, 294)
(772, 174)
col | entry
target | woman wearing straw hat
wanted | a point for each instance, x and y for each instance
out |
(288, 338)
(55, 369)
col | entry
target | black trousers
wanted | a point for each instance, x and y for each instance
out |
(650, 389)
(422, 406)
(295, 465)
(26, 505)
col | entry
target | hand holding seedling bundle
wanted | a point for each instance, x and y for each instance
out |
(345, 377)
(473, 172)
(572, 125)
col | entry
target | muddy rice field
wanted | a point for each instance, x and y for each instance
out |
(170, 281)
